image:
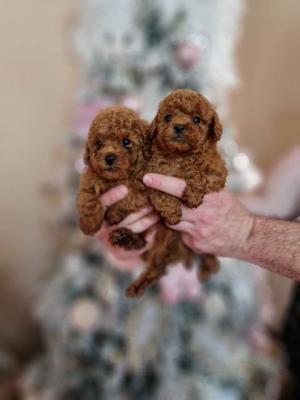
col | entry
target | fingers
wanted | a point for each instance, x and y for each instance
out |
(187, 214)
(137, 222)
(187, 240)
(135, 217)
(103, 233)
(167, 184)
(183, 226)
(114, 195)
(144, 223)
(151, 235)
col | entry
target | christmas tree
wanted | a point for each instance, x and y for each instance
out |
(210, 344)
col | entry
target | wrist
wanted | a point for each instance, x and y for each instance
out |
(247, 231)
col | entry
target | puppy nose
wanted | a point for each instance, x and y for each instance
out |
(110, 159)
(178, 129)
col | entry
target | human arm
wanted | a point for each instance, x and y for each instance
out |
(274, 245)
(223, 226)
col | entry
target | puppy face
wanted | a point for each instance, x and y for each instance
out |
(185, 123)
(115, 143)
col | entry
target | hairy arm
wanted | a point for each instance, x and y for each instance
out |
(274, 245)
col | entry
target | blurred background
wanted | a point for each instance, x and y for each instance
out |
(53, 74)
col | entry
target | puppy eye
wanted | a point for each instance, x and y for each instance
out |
(98, 144)
(168, 118)
(196, 119)
(126, 143)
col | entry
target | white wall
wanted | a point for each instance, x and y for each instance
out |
(37, 82)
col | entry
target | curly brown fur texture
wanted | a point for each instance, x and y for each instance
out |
(184, 135)
(115, 154)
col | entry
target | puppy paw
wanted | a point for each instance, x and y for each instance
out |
(90, 225)
(168, 207)
(192, 199)
(115, 215)
(127, 239)
(172, 219)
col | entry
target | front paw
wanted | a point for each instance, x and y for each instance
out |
(114, 215)
(172, 218)
(90, 225)
(192, 198)
(127, 239)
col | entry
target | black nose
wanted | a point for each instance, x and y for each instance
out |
(178, 129)
(110, 159)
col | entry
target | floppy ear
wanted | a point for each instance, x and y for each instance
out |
(86, 156)
(147, 137)
(153, 129)
(146, 145)
(145, 141)
(215, 128)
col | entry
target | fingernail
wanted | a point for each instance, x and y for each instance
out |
(123, 190)
(147, 179)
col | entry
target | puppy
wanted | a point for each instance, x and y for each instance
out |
(184, 136)
(115, 154)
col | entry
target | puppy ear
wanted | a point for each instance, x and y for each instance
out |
(153, 129)
(149, 134)
(215, 128)
(146, 145)
(145, 141)
(86, 156)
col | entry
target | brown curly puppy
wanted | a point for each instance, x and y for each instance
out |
(185, 132)
(115, 154)
(184, 135)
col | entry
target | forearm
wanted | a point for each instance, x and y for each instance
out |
(274, 245)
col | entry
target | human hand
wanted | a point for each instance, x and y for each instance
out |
(220, 225)
(137, 222)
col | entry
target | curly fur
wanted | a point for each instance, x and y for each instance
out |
(182, 145)
(184, 135)
(115, 154)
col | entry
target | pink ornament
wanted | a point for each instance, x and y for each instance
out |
(187, 54)
(85, 113)
(179, 284)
